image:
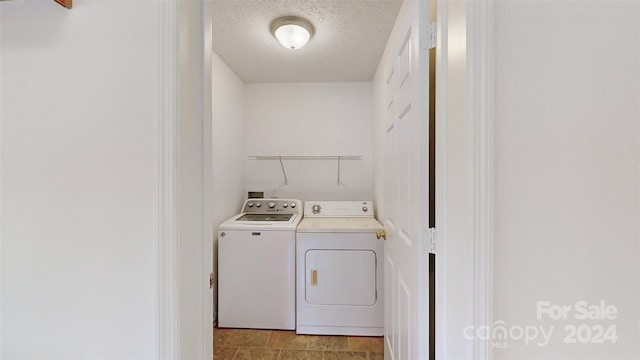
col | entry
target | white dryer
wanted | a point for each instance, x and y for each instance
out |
(339, 270)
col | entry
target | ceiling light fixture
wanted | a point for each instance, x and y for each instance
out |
(292, 32)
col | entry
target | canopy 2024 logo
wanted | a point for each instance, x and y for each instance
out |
(583, 333)
(581, 330)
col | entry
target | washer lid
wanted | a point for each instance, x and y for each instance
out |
(265, 217)
(269, 222)
(344, 224)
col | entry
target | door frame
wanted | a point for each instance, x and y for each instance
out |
(168, 326)
(170, 269)
(478, 189)
(473, 211)
(481, 168)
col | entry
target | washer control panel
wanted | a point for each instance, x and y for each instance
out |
(284, 206)
(338, 208)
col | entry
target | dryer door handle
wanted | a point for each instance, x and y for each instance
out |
(314, 277)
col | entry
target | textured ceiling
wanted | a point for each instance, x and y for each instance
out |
(350, 36)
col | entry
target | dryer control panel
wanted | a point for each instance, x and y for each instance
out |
(338, 208)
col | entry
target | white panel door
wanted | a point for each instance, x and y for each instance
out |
(406, 190)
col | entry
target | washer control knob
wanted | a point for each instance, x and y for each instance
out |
(293, 205)
(285, 205)
(365, 209)
(250, 204)
(258, 204)
(272, 205)
(316, 209)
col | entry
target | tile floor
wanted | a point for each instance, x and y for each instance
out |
(249, 344)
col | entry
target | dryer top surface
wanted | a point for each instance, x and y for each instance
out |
(339, 225)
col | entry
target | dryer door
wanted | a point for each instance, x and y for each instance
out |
(340, 277)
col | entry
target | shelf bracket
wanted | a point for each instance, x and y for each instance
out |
(284, 173)
(338, 170)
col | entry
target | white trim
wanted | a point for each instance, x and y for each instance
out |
(442, 24)
(1, 186)
(638, 198)
(168, 184)
(480, 161)
(207, 176)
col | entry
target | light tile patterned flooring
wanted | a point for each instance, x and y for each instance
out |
(249, 344)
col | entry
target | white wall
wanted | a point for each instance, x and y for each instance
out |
(310, 119)
(79, 100)
(228, 148)
(567, 140)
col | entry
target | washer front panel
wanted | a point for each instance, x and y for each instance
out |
(256, 279)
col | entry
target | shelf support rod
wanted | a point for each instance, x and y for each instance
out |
(286, 157)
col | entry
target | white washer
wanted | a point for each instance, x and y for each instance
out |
(339, 267)
(256, 265)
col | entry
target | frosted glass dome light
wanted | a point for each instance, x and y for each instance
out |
(292, 36)
(292, 32)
